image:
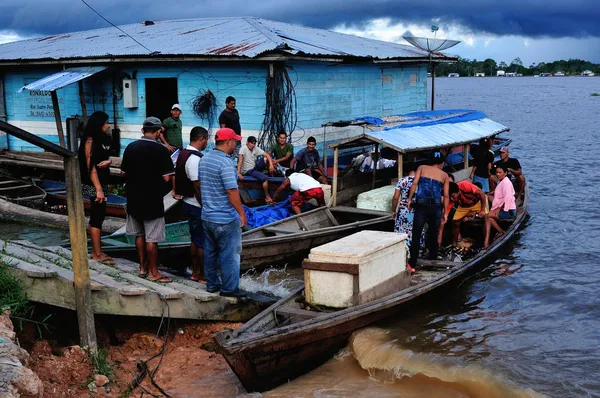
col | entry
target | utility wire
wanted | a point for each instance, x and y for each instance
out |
(127, 34)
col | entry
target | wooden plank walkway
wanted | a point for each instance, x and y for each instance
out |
(46, 273)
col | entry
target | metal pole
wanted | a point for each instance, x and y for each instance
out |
(432, 86)
(335, 177)
(79, 253)
(375, 159)
(59, 129)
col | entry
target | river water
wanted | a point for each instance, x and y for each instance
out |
(528, 324)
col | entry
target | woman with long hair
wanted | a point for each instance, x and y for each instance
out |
(94, 152)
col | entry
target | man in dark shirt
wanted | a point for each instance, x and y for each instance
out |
(483, 158)
(147, 165)
(230, 118)
(282, 152)
(172, 125)
(307, 160)
(514, 169)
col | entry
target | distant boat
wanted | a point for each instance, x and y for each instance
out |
(588, 73)
(545, 74)
(559, 74)
(453, 74)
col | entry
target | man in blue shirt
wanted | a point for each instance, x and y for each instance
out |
(308, 161)
(223, 216)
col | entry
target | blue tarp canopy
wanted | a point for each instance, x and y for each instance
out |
(420, 131)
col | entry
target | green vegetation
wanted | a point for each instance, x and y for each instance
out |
(595, 94)
(101, 364)
(468, 67)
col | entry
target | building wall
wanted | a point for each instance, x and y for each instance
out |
(324, 93)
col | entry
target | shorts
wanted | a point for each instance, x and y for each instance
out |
(504, 215)
(298, 199)
(462, 212)
(485, 183)
(97, 213)
(152, 230)
(194, 214)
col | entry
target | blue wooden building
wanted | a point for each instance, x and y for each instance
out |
(334, 76)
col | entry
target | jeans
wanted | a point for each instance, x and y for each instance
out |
(432, 215)
(257, 171)
(222, 249)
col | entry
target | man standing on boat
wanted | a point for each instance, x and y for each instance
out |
(514, 168)
(188, 186)
(471, 202)
(306, 188)
(307, 161)
(252, 162)
(483, 157)
(223, 216)
(147, 165)
(230, 118)
(430, 190)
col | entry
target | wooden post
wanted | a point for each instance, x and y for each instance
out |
(325, 148)
(61, 134)
(79, 252)
(465, 156)
(375, 158)
(335, 177)
(82, 100)
(400, 165)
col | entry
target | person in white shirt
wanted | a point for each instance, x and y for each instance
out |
(252, 162)
(306, 188)
(188, 186)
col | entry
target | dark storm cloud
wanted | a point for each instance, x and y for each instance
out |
(531, 18)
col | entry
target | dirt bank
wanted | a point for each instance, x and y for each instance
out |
(189, 368)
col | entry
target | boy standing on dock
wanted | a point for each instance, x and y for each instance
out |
(147, 165)
(188, 186)
(223, 216)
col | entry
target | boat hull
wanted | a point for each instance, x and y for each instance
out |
(264, 360)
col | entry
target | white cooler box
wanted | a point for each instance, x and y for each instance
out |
(356, 269)
(377, 199)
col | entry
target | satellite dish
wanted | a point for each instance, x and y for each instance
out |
(430, 45)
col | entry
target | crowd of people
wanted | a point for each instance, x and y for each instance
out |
(429, 196)
(205, 180)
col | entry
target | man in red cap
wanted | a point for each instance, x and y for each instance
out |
(223, 216)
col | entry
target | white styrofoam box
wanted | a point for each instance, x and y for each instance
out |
(377, 199)
(380, 256)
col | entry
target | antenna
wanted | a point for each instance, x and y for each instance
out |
(432, 46)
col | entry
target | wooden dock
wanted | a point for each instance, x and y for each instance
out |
(46, 273)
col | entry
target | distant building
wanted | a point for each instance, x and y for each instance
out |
(588, 73)
(500, 73)
(510, 74)
(334, 76)
(479, 74)
(559, 74)
(454, 74)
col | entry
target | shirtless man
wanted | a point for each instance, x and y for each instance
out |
(430, 190)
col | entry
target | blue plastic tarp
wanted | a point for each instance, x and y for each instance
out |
(263, 215)
(432, 118)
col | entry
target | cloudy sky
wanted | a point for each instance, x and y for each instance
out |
(533, 30)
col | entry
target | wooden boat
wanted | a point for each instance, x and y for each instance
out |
(57, 193)
(287, 340)
(19, 191)
(270, 244)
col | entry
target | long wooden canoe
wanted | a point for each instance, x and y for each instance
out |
(270, 244)
(19, 191)
(57, 192)
(287, 340)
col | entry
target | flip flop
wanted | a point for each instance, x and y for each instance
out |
(107, 261)
(199, 280)
(143, 275)
(162, 279)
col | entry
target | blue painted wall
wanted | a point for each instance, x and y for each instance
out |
(324, 93)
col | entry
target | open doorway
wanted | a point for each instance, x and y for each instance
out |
(161, 94)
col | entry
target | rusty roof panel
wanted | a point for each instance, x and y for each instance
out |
(244, 36)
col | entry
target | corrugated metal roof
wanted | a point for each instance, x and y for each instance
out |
(62, 79)
(244, 37)
(418, 138)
